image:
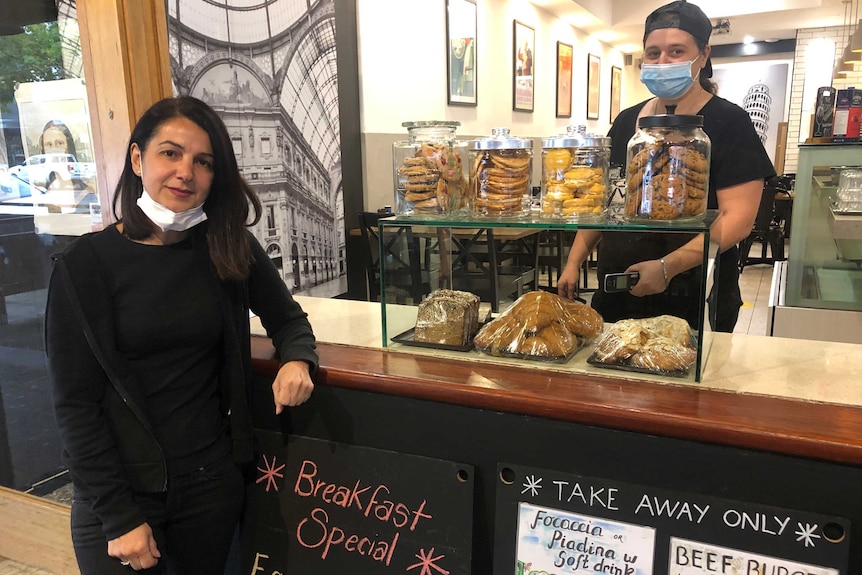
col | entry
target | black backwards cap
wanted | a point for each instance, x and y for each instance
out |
(688, 18)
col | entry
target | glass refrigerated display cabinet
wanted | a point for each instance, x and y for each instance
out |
(817, 293)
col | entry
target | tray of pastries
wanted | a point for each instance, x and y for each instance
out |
(540, 326)
(664, 344)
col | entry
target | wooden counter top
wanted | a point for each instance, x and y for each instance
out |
(758, 393)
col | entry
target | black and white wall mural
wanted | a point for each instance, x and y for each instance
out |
(269, 68)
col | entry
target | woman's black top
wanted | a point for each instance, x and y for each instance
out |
(737, 156)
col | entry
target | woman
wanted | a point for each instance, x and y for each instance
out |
(56, 137)
(149, 352)
(676, 69)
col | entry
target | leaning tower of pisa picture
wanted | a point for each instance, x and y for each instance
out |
(757, 103)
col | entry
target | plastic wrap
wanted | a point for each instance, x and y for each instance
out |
(663, 344)
(430, 177)
(540, 325)
(447, 318)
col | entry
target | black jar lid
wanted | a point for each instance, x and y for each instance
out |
(670, 121)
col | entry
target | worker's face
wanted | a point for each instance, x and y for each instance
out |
(54, 140)
(671, 45)
(177, 166)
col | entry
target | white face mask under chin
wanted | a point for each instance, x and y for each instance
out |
(168, 220)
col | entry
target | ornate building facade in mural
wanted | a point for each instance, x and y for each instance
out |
(269, 68)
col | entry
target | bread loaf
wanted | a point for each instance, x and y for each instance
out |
(448, 317)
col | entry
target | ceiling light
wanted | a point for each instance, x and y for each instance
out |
(856, 39)
(748, 39)
(846, 68)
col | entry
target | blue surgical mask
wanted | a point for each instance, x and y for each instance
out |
(668, 81)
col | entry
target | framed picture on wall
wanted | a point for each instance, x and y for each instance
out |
(616, 82)
(594, 74)
(524, 43)
(461, 52)
(564, 80)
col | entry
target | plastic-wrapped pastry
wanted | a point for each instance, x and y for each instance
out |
(661, 344)
(540, 325)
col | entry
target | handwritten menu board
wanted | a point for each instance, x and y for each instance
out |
(327, 508)
(549, 522)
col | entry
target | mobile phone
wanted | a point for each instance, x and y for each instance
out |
(621, 281)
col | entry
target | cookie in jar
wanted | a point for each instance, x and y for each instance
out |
(500, 174)
(575, 175)
(429, 170)
(667, 173)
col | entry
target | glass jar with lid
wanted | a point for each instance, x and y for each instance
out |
(500, 174)
(429, 169)
(667, 174)
(575, 172)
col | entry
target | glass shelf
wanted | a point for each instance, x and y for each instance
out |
(424, 253)
(614, 222)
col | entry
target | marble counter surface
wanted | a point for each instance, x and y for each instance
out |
(734, 363)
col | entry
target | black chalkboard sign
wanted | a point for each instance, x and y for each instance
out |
(553, 522)
(319, 507)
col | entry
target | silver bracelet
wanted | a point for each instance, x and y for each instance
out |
(664, 271)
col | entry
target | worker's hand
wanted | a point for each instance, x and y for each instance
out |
(567, 285)
(292, 385)
(137, 548)
(651, 278)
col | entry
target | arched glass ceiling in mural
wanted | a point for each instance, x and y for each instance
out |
(240, 21)
(309, 92)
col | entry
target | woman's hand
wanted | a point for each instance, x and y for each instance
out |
(292, 385)
(651, 278)
(137, 548)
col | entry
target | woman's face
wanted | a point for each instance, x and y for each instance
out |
(54, 140)
(177, 166)
(671, 45)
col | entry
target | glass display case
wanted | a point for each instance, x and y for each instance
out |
(817, 292)
(499, 261)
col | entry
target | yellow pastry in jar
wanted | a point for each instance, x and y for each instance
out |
(558, 159)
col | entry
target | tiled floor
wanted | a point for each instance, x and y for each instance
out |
(754, 283)
(9, 567)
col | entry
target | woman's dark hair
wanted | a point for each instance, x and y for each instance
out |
(70, 141)
(226, 206)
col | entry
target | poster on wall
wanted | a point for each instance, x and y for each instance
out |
(461, 52)
(594, 78)
(759, 88)
(523, 67)
(271, 73)
(564, 80)
(55, 181)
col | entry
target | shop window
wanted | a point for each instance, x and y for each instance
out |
(49, 195)
(270, 217)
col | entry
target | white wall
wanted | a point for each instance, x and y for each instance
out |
(402, 60)
(402, 68)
